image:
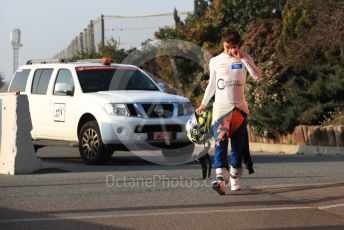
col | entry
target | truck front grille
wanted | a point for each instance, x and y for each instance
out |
(153, 110)
(158, 110)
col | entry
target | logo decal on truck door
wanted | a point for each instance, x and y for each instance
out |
(59, 112)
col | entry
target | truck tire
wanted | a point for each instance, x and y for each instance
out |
(91, 147)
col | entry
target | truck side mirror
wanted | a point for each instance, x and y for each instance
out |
(63, 89)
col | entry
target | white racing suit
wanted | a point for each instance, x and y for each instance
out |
(227, 80)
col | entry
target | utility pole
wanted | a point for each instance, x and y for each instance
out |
(102, 28)
(92, 45)
(15, 39)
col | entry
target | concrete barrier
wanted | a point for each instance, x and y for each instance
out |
(331, 135)
(291, 149)
(17, 154)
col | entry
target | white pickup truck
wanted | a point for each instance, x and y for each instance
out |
(100, 107)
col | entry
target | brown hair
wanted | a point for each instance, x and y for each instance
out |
(231, 36)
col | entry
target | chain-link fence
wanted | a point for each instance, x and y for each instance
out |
(128, 31)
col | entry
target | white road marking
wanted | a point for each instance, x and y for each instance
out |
(331, 206)
(157, 213)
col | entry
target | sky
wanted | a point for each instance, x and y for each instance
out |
(48, 27)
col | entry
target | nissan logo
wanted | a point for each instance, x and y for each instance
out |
(159, 110)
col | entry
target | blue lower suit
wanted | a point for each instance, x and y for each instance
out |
(232, 125)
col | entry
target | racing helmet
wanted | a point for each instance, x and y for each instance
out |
(198, 128)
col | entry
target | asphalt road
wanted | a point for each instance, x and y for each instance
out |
(286, 192)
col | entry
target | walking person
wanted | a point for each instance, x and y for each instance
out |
(227, 79)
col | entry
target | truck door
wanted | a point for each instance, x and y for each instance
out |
(61, 104)
(38, 101)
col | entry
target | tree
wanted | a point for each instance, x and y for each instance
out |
(298, 44)
(166, 32)
(204, 28)
(200, 7)
(261, 37)
(303, 72)
(176, 18)
(109, 49)
(313, 33)
(291, 97)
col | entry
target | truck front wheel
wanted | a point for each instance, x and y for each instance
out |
(91, 147)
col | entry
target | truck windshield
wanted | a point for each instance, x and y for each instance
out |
(106, 78)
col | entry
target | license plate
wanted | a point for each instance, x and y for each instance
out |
(162, 136)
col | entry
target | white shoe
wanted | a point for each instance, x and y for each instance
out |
(235, 175)
(224, 173)
(219, 185)
(235, 184)
(221, 181)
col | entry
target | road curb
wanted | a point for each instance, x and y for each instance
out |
(296, 149)
(289, 149)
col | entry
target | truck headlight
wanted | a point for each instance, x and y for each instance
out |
(117, 109)
(185, 109)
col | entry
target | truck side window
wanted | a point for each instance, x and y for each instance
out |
(64, 78)
(19, 80)
(40, 81)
